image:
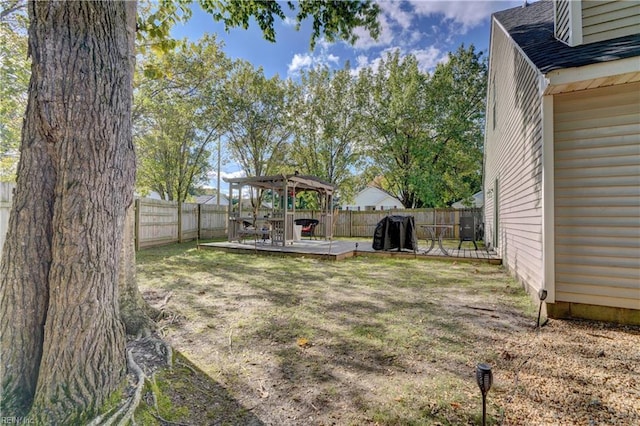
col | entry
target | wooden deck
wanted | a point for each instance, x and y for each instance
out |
(340, 249)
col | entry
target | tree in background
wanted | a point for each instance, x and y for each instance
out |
(178, 115)
(426, 147)
(14, 81)
(393, 105)
(328, 135)
(451, 161)
(63, 342)
(259, 130)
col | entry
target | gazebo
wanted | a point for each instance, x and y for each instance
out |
(278, 222)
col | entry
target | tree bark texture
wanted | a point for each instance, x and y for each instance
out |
(134, 311)
(24, 271)
(62, 339)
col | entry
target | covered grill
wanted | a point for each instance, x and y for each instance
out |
(395, 232)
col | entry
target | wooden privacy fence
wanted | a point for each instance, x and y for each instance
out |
(351, 223)
(6, 195)
(157, 221)
(362, 224)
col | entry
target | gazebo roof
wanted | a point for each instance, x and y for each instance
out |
(310, 183)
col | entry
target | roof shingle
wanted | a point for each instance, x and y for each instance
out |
(531, 27)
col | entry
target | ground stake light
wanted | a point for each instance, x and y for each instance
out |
(542, 294)
(484, 377)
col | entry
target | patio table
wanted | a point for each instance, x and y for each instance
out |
(435, 233)
(242, 231)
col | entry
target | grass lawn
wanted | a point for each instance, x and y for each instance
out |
(299, 341)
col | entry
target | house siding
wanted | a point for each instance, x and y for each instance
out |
(513, 155)
(373, 198)
(606, 20)
(597, 196)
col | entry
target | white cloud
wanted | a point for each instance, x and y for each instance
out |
(465, 14)
(398, 19)
(299, 62)
(213, 175)
(394, 11)
(415, 36)
(424, 28)
(290, 21)
(365, 41)
(322, 57)
(362, 62)
(429, 58)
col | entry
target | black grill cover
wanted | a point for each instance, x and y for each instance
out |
(395, 232)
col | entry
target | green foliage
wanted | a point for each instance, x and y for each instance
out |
(178, 117)
(333, 20)
(393, 103)
(452, 162)
(426, 147)
(328, 136)
(259, 125)
(155, 20)
(14, 81)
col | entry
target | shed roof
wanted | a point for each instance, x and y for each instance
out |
(531, 27)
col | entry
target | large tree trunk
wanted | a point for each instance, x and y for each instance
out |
(135, 312)
(61, 331)
(24, 272)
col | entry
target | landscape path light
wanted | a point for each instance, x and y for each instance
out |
(484, 377)
(542, 294)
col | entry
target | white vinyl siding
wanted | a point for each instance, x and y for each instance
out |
(513, 155)
(597, 196)
(606, 20)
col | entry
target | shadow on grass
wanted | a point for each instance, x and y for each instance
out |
(323, 337)
(184, 394)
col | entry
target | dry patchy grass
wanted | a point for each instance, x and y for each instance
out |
(298, 341)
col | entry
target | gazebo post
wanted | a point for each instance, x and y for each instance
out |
(285, 211)
(230, 213)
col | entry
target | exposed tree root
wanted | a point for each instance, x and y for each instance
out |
(165, 421)
(123, 414)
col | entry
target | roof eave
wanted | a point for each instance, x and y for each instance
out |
(593, 75)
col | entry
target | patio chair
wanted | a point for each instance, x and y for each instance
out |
(308, 227)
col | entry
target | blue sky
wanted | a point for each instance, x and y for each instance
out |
(428, 29)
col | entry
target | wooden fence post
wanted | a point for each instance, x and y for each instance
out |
(179, 221)
(456, 219)
(199, 220)
(136, 225)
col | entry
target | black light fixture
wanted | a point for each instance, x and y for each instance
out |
(484, 377)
